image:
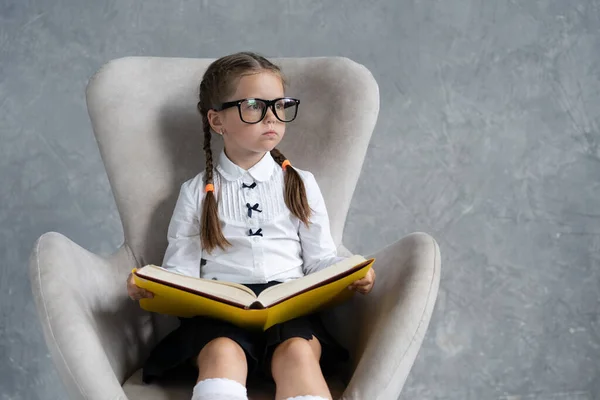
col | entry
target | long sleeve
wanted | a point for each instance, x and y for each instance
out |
(184, 251)
(318, 249)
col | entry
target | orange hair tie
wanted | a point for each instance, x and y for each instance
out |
(209, 188)
(285, 164)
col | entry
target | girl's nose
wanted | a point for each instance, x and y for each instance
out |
(269, 116)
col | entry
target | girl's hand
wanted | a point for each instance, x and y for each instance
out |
(135, 292)
(364, 285)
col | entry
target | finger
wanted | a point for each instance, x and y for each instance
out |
(366, 288)
(364, 291)
(371, 275)
(362, 284)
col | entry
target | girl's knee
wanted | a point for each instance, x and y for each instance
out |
(221, 349)
(297, 351)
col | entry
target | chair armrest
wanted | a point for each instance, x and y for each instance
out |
(95, 334)
(392, 320)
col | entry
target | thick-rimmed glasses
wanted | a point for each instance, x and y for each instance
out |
(253, 110)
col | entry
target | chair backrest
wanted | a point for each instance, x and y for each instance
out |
(144, 116)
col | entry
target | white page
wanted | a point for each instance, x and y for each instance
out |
(225, 290)
(275, 293)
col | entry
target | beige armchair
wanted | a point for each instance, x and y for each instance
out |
(143, 113)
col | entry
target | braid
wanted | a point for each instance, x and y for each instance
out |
(211, 234)
(208, 173)
(277, 156)
(294, 192)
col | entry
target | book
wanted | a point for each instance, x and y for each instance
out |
(186, 296)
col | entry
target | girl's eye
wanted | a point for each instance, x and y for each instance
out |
(252, 106)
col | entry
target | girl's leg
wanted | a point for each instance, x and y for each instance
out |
(222, 358)
(222, 371)
(296, 369)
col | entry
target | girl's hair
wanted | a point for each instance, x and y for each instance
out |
(218, 83)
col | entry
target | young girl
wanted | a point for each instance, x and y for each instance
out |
(249, 218)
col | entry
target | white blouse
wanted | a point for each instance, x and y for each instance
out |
(268, 242)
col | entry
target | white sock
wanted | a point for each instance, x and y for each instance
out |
(307, 397)
(219, 389)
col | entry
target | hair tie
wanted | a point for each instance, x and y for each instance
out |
(209, 188)
(285, 163)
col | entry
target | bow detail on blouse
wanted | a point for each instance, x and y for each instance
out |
(257, 233)
(252, 208)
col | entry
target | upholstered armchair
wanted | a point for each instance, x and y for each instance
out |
(144, 117)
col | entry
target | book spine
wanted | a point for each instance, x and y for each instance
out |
(257, 305)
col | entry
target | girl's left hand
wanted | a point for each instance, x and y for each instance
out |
(364, 285)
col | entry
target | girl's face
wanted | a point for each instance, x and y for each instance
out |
(242, 139)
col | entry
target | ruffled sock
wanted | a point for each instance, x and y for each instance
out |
(219, 389)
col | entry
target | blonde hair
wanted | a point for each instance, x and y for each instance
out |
(219, 82)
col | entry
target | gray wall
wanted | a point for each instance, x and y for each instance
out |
(488, 138)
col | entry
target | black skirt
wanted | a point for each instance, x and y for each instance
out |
(174, 358)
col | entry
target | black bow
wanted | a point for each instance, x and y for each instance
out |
(257, 233)
(249, 186)
(252, 208)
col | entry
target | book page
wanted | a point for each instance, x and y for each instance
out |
(233, 284)
(276, 293)
(225, 290)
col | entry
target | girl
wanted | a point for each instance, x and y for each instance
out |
(249, 218)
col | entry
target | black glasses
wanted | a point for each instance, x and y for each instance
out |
(253, 110)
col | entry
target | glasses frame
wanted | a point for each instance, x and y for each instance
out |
(269, 104)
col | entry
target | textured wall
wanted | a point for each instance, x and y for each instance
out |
(488, 138)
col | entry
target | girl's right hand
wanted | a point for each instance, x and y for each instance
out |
(135, 292)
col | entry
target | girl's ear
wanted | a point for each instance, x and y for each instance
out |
(215, 121)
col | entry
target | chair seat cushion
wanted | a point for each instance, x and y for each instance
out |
(135, 389)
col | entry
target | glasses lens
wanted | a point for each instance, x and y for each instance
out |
(252, 110)
(286, 109)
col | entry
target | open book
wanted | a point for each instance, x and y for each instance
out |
(187, 296)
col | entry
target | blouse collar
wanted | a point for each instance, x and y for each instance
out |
(261, 171)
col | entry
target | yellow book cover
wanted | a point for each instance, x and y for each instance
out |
(187, 296)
